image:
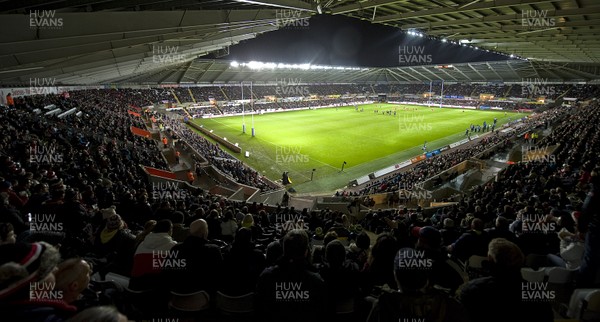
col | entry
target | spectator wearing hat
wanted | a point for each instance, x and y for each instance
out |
(115, 243)
(499, 297)
(27, 281)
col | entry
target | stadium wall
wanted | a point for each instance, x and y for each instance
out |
(217, 138)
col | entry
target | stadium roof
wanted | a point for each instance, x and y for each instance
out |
(159, 41)
(219, 71)
(548, 30)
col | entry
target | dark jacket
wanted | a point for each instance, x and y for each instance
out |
(500, 298)
(291, 292)
(242, 267)
(469, 244)
(37, 311)
(203, 269)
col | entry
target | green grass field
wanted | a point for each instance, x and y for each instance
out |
(322, 139)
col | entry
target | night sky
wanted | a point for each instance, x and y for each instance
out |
(344, 41)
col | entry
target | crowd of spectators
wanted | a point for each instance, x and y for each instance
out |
(214, 154)
(110, 223)
(432, 166)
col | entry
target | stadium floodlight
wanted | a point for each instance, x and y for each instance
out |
(444, 40)
(234, 64)
(512, 56)
(464, 41)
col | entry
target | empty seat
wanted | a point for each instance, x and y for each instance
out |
(590, 309)
(561, 281)
(191, 302)
(561, 275)
(575, 307)
(242, 305)
(531, 275)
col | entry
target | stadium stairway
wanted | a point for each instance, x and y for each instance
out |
(192, 95)
(508, 91)
(224, 94)
(176, 98)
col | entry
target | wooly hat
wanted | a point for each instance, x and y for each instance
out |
(24, 263)
(108, 212)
